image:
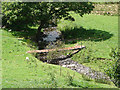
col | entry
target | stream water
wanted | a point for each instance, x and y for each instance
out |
(52, 35)
(50, 40)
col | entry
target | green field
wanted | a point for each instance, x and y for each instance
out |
(98, 33)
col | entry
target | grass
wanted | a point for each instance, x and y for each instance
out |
(97, 32)
(0, 60)
(20, 72)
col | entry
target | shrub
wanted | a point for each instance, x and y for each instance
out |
(114, 69)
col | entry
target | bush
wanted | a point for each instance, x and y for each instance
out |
(114, 69)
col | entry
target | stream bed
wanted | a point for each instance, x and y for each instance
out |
(52, 36)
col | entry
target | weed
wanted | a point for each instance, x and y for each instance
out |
(84, 56)
(87, 78)
(70, 79)
(103, 81)
(114, 69)
(53, 80)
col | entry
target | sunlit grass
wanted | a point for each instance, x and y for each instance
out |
(23, 70)
(98, 33)
(27, 73)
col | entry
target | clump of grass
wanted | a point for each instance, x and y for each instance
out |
(70, 79)
(114, 70)
(53, 80)
(84, 56)
(87, 78)
(103, 81)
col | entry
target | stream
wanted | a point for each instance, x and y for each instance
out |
(52, 36)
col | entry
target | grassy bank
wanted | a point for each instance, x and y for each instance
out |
(98, 33)
(22, 70)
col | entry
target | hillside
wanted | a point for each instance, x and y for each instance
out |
(22, 70)
(19, 72)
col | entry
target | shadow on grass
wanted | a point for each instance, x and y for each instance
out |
(82, 34)
(71, 36)
(27, 33)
